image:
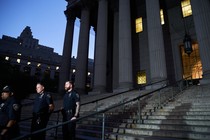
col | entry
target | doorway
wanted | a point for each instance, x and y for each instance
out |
(192, 66)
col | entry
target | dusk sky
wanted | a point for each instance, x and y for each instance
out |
(45, 18)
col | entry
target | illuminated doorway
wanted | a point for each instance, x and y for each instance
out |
(192, 67)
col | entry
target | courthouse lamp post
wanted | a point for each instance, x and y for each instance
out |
(188, 48)
(187, 44)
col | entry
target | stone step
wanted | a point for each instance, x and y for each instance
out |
(189, 113)
(177, 117)
(166, 133)
(148, 126)
(180, 122)
(184, 109)
(119, 136)
(167, 127)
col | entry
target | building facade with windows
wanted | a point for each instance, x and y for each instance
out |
(139, 42)
(28, 56)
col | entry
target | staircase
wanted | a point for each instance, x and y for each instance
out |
(185, 117)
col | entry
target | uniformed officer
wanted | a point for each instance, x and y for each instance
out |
(70, 111)
(43, 107)
(10, 109)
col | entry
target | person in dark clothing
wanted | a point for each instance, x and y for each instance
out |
(70, 111)
(10, 110)
(42, 109)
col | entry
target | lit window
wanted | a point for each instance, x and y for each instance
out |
(73, 70)
(88, 73)
(48, 67)
(141, 77)
(18, 60)
(28, 63)
(139, 25)
(6, 58)
(162, 17)
(19, 54)
(38, 65)
(57, 68)
(186, 8)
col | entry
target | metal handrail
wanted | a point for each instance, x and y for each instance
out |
(103, 98)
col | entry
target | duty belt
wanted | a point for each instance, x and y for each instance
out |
(68, 111)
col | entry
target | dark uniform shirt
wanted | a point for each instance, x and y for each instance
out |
(9, 110)
(41, 103)
(69, 101)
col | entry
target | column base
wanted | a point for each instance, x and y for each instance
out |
(123, 87)
(81, 91)
(204, 81)
(206, 78)
(157, 85)
(97, 90)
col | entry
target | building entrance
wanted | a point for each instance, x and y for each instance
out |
(192, 66)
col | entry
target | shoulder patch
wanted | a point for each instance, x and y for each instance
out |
(77, 95)
(49, 96)
(16, 107)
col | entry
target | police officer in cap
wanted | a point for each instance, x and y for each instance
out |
(70, 111)
(42, 109)
(10, 110)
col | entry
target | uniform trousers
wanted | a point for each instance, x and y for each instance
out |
(39, 121)
(68, 129)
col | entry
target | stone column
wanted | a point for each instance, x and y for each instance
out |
(33, 70)
(125, 47)
(101, 48)
(201, 16)
(52, 74)
(155, 42)
(67, 50)
(116, 51)
(82, 54)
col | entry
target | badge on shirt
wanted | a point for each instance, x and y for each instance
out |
(48, 95)
(2, 104)
(16, 107)
(77, 95)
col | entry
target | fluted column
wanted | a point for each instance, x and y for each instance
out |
(201, 16)
(67, 50)
(33, 71)
(52, 74)
(155, 41)
(101, 48)
(116, 51)
(82, 54)
(125, 48)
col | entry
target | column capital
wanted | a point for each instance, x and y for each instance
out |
(70, 15)
(87, 4)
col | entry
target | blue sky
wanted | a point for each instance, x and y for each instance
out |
(46, 19)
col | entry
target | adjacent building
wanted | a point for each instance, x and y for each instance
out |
(27, 55)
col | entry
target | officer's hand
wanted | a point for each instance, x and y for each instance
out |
(51, 107)
(3, 132)
(2, 135)
(73, 118)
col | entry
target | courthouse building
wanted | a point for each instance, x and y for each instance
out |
(138, 42)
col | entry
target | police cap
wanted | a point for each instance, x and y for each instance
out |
(7, 89)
